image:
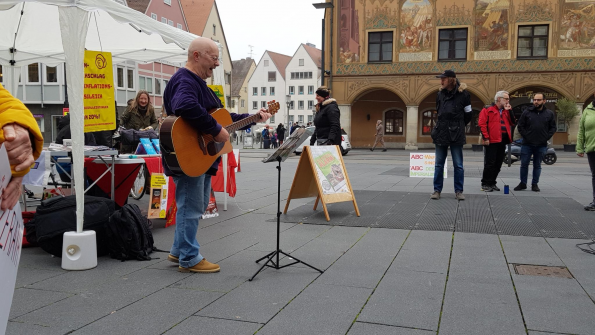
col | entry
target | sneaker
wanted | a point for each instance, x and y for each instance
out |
(383, 150)
(203, 266)
(590, 207)
(486, 188)
(535, 188)
(371, 149)
(459, 196)
(435, 195)
(173, 258)
(495, 188)
(520, 187)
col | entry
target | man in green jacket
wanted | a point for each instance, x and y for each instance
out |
(586, 144)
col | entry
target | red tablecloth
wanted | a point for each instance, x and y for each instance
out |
(123, 178)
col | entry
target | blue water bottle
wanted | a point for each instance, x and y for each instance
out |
(506, 189)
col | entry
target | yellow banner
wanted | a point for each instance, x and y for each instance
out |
(218, 89)
(100, 109)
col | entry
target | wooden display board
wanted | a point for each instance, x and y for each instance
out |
(321, 173)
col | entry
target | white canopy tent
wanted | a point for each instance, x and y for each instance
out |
(58, 31)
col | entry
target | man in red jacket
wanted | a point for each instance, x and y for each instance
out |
(495, 123)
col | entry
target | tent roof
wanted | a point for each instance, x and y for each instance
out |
(126, 33)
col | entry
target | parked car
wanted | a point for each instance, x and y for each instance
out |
(345, 145)
(549, 158)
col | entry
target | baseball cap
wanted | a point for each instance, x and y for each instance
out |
(447, 74)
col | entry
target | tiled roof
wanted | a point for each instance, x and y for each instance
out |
(280, 61)
(139, 5)
(316, 54)
(238, 74)
(197, 13)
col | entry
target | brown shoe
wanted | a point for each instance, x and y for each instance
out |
(435, 195)
(459, 196)
(173, 258)
(203, 266)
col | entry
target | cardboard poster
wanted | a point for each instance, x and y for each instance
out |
(11, 238)
(329, 169)
(158, 194)
(421, 165)
(218, 89)
(98, 97)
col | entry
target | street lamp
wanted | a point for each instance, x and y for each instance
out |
(325, 5)
(288, 102)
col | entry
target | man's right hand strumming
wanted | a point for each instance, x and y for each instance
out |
(223, 136)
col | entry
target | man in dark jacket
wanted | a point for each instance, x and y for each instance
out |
(537, 125)
(453, 105)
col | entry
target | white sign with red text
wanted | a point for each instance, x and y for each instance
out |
(11, 237)
(421, 165)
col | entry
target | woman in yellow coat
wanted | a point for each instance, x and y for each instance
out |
(23, 141)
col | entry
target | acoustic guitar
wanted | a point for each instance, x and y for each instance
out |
(190, 152)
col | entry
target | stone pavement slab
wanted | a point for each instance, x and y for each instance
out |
(207, 326)
(153, 314)
(406, 298)
(319, 309)
(529, 250)
(363, 328)
(26, 300)
(261, 299)
(425, 251)
(367, 261)
(554, 304)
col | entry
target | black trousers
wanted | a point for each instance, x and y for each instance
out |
(591, 157)
(494, 156)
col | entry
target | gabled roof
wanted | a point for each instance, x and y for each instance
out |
(238, 74)
(280, 61)
(315, 54)
(139, 5)
(197, 13)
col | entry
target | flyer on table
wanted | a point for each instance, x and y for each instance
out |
(329, 169)
(11, 237)
(98, 98)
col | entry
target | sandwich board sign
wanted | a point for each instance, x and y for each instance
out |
(321, 173)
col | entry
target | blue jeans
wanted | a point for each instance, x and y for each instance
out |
(526, 152)
(456, 151)
(192, 199)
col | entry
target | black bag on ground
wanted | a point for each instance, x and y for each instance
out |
(130, 235)
(132, 136)
(57, 215)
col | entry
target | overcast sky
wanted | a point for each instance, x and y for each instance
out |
(274, 25)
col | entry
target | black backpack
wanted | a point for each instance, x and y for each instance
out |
(130, 235)
(57, 215)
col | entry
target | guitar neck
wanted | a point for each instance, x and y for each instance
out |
(242, 123)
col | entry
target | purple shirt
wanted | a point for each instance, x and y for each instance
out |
(188, 96)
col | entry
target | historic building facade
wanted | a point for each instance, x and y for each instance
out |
(386, 53)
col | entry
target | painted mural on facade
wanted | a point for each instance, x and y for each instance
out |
(454, 14)
(577, 29)
(491, 25)
(350, 49)
(416, 26)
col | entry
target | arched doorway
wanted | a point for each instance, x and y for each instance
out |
(522, 98)
(374, 105)
(428, 117)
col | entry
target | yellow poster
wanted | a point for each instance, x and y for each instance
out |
(218, 89)
(100, 109)
(158, 201)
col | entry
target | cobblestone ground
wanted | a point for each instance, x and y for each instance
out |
(406, 266)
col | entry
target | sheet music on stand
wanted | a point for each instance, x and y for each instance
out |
(289, 146)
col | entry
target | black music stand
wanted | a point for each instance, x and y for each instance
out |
(280, 155)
